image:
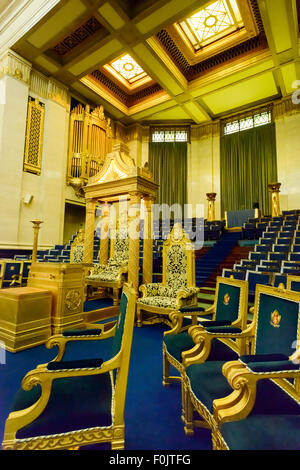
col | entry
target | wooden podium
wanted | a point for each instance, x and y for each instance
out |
(66, 283)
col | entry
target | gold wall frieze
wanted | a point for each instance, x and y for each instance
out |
(128, 134)
(285, 107)
(49, 89)
(205, 131)
(15, 66)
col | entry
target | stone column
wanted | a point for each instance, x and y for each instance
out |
(148, 242)
(89, 231)
(14, 86)
(134, 238)
(211, 197)
(104, 233)
(36, 228)
(274, 188)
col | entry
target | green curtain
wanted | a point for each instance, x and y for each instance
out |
(168, 163)
(248, 162)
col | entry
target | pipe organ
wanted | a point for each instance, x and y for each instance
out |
(90, 139)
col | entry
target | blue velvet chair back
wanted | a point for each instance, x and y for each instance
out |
(277, 321)
(229, 299)
(117, 341)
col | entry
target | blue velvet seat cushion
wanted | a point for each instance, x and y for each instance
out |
(208, 383)
(75, 403)
(191, 309)
(222, 330)
(263, 432)
(176, 344)
(247, 359)
(272, 366)
(76, 364)
(87, 332)
(210, 323)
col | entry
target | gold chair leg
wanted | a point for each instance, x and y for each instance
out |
(166, 370)
(188, 414)
(115, 296)
(138, 317)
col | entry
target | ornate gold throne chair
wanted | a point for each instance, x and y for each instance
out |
(76, 251)
(68, 404)
(178, 287)
(221, 391)
(111, 276)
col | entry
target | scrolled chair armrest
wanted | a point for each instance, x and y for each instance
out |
(91, 332)
(203, 338)
(186, 292)
(150, 290)
(96, 269)
(243, 375)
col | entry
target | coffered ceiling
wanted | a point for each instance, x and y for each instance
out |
(152, 61)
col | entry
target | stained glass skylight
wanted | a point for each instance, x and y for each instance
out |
(128, 68)
(213, 22)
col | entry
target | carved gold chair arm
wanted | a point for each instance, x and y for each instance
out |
(44, 377)
(239, 404)
(150, 289)
(61, 341)
(187, 292)
(203, 339)
(176, 319)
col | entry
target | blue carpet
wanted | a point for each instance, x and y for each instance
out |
(152, 412)
(210, 261)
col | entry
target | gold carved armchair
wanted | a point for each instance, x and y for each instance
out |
(262, 411)
(111, 276)
(68, 404)
(178, 287)
(218, 390)
(229, 314)
(76, 251)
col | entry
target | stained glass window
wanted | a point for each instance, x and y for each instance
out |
(169, 135)
(213, 22)
(256, 120)
(128, 68)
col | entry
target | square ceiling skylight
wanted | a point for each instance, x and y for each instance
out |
(128, 68)
(213, 22)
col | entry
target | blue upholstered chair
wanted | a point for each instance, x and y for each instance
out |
(66, 404)
(262, 409)
(25, 271)
(293, 283)
(222, 391)
(10, 271)
(232, 273)
(229, 314)
(255, 278)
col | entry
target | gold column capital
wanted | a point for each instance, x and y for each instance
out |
(211, 196)
(274, 187)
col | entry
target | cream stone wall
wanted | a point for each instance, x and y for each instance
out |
(13, 112)
(288, 160)
(204, 172)
(48, 189)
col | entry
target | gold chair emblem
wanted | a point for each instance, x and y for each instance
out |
(226, 299)
(275, 319)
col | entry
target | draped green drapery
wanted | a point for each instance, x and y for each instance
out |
(248, 163)
(168, 163)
